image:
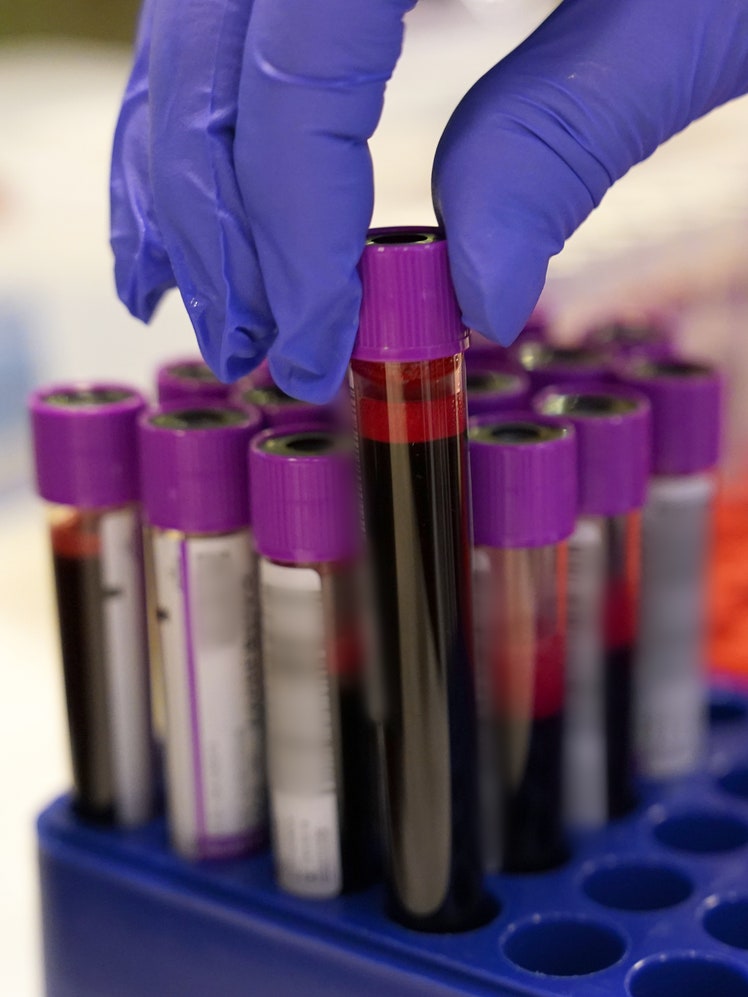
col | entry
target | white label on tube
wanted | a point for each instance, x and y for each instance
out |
(670, 682)
(127, 665)
(585, 784)
(303, 798)
(207, 608)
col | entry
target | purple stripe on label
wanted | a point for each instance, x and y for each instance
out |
(219, 846)
(197, 769)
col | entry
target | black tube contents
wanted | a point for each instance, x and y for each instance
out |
(415, 497)
(77, 569)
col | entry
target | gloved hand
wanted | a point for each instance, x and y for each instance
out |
(241, 167)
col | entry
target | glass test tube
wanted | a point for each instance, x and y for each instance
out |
(85, 442)
(613, 459)
(320, 742)
(409, 395)
(546, 364)
(524, 507)
(189, 379)
(671, 683)
(195, 492)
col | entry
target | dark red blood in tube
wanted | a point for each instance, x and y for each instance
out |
(413, 459)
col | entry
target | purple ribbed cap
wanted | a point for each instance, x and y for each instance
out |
(613, 426)
(546, 364)
(280, 409)
(189, 379)
(686, 400)
(524, 480)
(193, 463)
(408, 309)
(304, 507)
(648, 339)
(496, 385)
(85, 443)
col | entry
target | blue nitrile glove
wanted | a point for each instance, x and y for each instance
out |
(241, 167)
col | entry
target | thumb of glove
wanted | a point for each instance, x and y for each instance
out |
(535, 144)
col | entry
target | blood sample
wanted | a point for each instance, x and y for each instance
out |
(613, 459)
(524, 508)
(85, 441)
(258, 390)
(320, 743)
(408, 388)
(677, 520)
(190, 380)
(496, 387)
(195, 493)
(645, 338)
(546, 364)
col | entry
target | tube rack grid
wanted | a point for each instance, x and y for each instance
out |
(656, 904)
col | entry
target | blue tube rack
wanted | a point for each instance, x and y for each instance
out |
(655, 905)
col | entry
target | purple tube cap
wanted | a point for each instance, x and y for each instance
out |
(613, 429)
(546, 364)
(280, 409)
(649, 338)
(496, 385)
(524, 480)
(194, 466)
(686, 400)
(304, 507)
(409, 311)
(189, 379)
(85, 443)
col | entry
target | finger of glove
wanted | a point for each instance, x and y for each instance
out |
(311, 95)
(142, 271)
(534, 146)
(196, 55)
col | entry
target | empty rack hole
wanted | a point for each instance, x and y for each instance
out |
(727, 921)
(735, 782)
(726, 709)
(702, 832)
(556, 945)
(638, 886)
(686, 976)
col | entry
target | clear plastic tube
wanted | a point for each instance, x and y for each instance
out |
(671, 683)
(99, 585)
(206, 587)
(604, 562)
(520, 628)
(319, 740)
(412, 444)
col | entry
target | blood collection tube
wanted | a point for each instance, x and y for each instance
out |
(195, 492)
(85, 442)
(189, 379)
(546, 364)
(496, 387)
(484, 350)
(646, 338)
(613, 459)
(320, 742)
(258, 390)
(524, 508)
(677, 519)
(408, 389)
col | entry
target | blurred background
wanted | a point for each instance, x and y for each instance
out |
(670, 237)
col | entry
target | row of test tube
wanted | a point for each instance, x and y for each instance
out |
(367, 706)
